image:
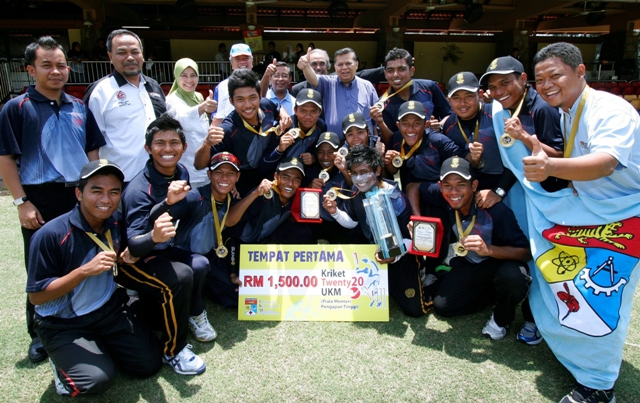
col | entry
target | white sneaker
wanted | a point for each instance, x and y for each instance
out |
(494, 331)
(201, 328)
(60, 389)
(186, 362)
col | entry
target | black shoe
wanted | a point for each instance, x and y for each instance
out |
(36, 350)
(582, 394)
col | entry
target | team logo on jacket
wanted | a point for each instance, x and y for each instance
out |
(588, 269)
(122, 98)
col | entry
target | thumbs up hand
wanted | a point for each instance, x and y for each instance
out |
(304, 60)
(271, 69)
(537, 166)
(209, 105)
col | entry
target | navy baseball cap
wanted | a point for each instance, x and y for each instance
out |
(329, 137)
(309, 95)
(465, 80)
(101, 166)
(353, 119)
(456, 165)
(291, 163)
(224, 158)
(502, 65)
(412, 107)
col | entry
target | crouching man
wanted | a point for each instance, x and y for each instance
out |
(82, 317)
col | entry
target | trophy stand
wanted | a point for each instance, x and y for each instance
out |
(383, 223)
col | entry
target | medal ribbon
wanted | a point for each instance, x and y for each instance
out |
(218, 224)
(104, 247)
(467, 231)
(517, 111)
(303, 134)
(413, 149)
(568, 146)
(386, 95)
(475, 131)
(343, 196)
(260, 133)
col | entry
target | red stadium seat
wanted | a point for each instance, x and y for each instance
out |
(629, 90)
(165, 88)
(635, 83)
(623, 84)
(381, 88)
(615, 90)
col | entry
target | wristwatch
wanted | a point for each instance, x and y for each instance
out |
(19, 201)
(500, 192)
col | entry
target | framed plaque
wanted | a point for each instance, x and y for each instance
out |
(427, 236)
(306, 205)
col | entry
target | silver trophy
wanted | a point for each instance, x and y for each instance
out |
(382, 220)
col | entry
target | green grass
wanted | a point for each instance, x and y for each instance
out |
(431, 359)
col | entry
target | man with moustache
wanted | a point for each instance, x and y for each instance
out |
(585, 327)
(124, 103)
(343, 93)
(279, 77)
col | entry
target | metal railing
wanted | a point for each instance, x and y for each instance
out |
(5, 84)
(85, 73)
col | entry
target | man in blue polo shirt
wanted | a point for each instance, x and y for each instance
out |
(169, 280)
(245, 131)
(82, 317)
(45, 139)
(343, 93)
(491, 253)
(403, 87)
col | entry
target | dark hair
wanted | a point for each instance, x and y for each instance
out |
(119, 32)
(300, 46)
(311, 45)
(568, 53)
(46, 43)
(361, 154)
(103, 172)
(243, 78)
(398, 53)
(344, 51)
(222, 45)
(162, 124)
(272, 43)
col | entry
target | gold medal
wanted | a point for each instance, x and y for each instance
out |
(324, 175)
(268, 195)
(343, 152)
(295, 133)
(481, 163)
(332, 194)
(397, 161)
(506, 140)
(106, 248)
(459, 249)
(379, 105)
(222, 251)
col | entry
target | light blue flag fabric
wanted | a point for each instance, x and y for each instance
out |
(586, 255)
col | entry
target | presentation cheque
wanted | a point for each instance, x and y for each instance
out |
(312, 283)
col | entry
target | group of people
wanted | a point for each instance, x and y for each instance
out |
(102, 184)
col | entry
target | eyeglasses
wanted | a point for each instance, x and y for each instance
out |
(316, 64)
(278, 76)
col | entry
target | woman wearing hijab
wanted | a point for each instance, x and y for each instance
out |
(190, 108)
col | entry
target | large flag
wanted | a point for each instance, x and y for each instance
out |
(586, 254)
